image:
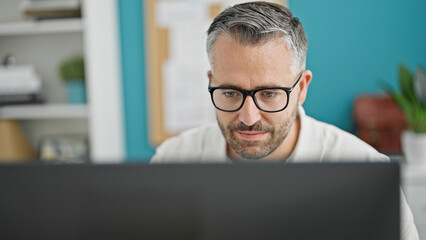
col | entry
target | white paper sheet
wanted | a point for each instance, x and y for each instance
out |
(173, 11)
(186, 98)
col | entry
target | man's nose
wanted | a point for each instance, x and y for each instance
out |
(249, 114)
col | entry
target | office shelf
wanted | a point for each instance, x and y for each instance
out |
(45, 44)
(44, 111)
(41, 27)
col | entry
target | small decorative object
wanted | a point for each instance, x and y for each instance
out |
(72, 71)
(412, 100)
(14, 145)
(64, 149)
(19, 84)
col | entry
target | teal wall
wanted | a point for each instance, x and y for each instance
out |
(352, 44)
(134, 80)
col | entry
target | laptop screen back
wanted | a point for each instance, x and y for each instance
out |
(213, 201)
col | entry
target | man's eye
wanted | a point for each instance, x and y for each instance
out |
(269, 94)
(231, 94)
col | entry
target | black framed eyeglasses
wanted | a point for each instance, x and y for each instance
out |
(271, 99)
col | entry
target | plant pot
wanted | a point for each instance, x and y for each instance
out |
(76, 91)
(414, 146)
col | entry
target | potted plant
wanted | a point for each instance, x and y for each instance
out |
(72, 72)
(411, 98)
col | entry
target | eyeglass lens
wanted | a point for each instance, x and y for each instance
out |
(267, 100)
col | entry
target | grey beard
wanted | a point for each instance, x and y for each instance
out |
(265, 149)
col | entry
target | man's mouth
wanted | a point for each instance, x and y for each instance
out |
(251, 135)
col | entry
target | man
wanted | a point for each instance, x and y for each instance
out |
(258, 83)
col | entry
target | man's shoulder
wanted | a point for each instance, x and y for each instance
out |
(335, 144)
(191, 145)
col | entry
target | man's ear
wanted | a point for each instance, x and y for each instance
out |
(303, 86)
(209, 75)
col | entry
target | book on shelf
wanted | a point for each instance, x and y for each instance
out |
(51, 9)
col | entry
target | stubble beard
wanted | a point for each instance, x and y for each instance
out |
(253, 150)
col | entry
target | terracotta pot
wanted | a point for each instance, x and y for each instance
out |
(414, 146)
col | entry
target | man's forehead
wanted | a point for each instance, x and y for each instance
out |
(266, 63)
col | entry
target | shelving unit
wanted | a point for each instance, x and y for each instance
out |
(41, 27)
(45, 44)
(49, 111)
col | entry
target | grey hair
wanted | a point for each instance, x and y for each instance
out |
(256, 23)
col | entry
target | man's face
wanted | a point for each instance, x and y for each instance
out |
(250, 132)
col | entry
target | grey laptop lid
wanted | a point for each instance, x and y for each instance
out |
(213, 201)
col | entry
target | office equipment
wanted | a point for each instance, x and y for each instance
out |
(212, 201)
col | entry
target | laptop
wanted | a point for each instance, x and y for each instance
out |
(200, 201)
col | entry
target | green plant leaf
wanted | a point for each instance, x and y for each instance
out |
(406, 83)
(419, 120)
(405, 105)
(408, 100)
(72, 68)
